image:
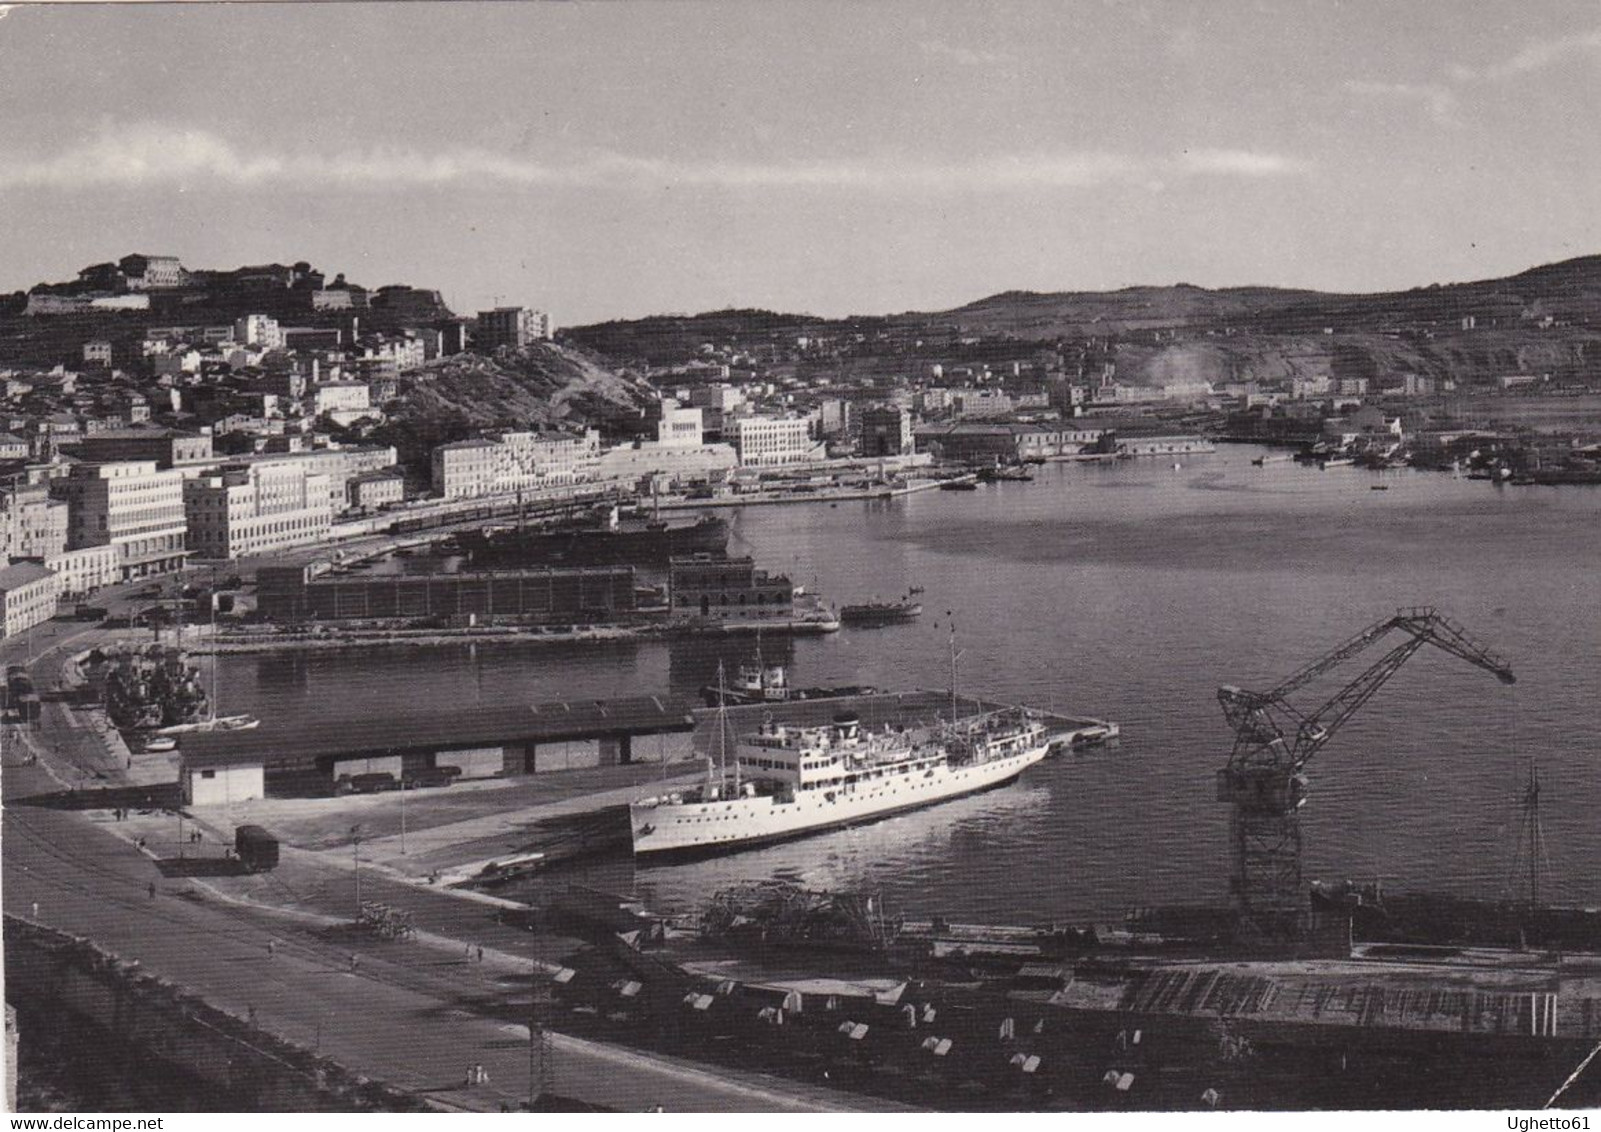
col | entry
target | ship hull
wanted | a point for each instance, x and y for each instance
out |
(593, 547)
(664, 831)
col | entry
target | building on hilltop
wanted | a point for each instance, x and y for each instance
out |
(511, 326)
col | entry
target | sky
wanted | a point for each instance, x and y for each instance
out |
(620, 159)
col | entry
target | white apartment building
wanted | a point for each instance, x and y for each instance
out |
(338, 465)
(465, 468)
(766, 441)
(27, 597)
(82, 571)
(344, 401)
(130, 505)
(680, 427)
(514, 461)
(258, 507)
(259, 330)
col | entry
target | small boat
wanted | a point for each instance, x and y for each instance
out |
(882, 612)
(509, 868)
(1003, 474)
(220, 723)
(759, 683)
(1378, 487)
(958, 485)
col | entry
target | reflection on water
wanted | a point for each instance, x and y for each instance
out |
(1132, 592)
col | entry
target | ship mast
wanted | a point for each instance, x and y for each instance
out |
(1531, 835)
(955, 656)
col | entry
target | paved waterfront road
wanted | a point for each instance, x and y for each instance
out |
(405, 1016)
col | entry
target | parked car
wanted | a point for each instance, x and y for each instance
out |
(161, 743)
(368, 783)
(433, 776)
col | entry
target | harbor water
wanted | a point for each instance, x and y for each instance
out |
(1130, 591)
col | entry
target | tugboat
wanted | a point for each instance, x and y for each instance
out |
(875, 613)
(760, 683)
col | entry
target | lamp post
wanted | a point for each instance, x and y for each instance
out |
(355, 852)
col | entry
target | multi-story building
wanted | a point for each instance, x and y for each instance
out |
(679, 427)
(511, 326)
(28, 594)
(514, 461)
(131, 505)
(13, 447)
(259, 330)
(728, 589)
(886, 431)
(465, 468)
(167, 447)
(35, 524)
(338, 465)
(254, 508)
(151, 272)
(85, 570)
(372, 491)
(546, 459)
(767, 441)
(343, 401)
(835, 416)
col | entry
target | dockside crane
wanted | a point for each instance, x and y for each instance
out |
(1265, 779)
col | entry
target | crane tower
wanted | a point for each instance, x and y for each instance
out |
(1265, 779)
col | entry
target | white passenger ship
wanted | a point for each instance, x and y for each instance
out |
(789, 781)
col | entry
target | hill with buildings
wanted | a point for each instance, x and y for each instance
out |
(539, 385)
(1546, 320)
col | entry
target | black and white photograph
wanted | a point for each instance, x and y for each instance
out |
(696, 556)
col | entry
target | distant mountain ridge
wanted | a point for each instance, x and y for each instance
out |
(1568, 290)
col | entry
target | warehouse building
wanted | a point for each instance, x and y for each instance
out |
(289, 593)
(292, 756)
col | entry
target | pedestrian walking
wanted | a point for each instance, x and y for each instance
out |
(480, 955)
(471, 1078)
(152, 890)
(355, 961)
(480, 1075)
(35, 909)
(272, 949)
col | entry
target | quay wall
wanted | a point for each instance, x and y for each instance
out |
(77, 999)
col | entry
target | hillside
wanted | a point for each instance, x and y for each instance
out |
(1543, 320)
(540, 385)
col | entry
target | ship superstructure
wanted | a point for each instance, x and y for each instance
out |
(787, 781)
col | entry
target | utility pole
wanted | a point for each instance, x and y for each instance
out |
(355, 852)
(403, 813)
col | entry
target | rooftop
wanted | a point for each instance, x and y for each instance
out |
(21, 574)
(296, 739)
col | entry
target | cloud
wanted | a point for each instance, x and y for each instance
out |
(963, 56)
(1541, 53)
(155, 156)
(1240, 163)
(1440, 101)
